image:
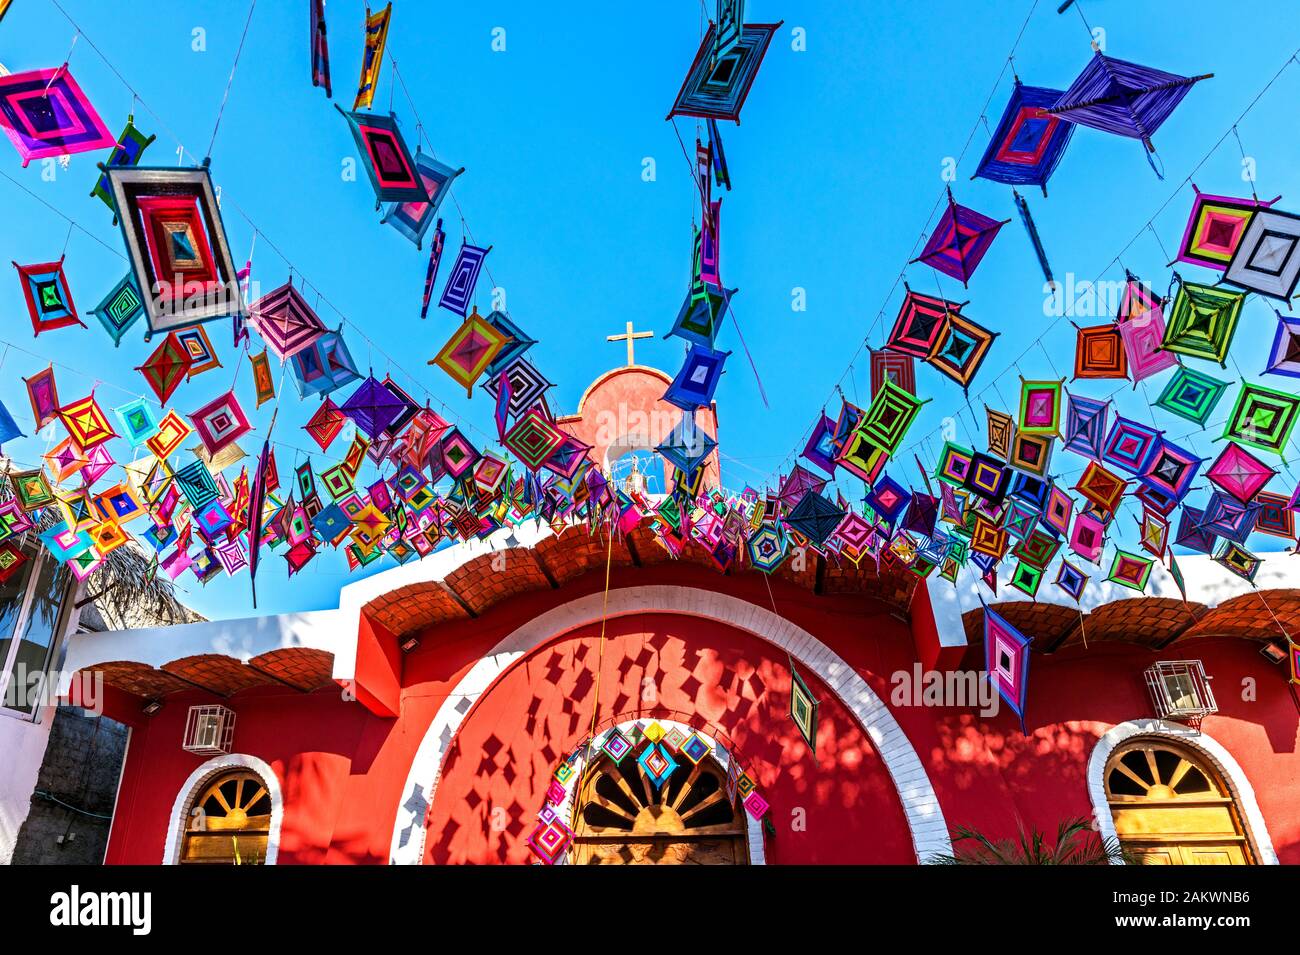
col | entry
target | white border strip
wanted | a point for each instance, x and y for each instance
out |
(920, 803)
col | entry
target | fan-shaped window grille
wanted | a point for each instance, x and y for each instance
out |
(229, 822)
(622, 818)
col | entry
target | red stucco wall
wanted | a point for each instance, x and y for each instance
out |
(343, 769)
(840, 807)
(988, 775)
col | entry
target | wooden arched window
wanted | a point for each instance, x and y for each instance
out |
(621, 818)
(1171, 807)
(229, 821)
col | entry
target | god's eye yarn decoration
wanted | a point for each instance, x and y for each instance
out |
(44, 113)
(176, 245)
(1003, 498)
(1006, 661)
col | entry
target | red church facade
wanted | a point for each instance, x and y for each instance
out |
(450, 703)
(504, 683)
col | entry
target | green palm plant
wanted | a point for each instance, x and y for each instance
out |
(1075, 845)
(239, 859)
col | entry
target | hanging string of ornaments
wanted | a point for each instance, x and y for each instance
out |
(176, 246)
(1006, 501)
(1008, 505)
(410, 480)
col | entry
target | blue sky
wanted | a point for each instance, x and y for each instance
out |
(836, 166)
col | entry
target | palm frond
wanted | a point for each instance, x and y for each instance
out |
(1076, 844)
(127, 596)
(122, 590)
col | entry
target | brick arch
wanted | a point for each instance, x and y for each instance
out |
(624, 409)
(916, 795)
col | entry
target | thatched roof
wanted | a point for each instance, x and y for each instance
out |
(122, 598)
(118, 593)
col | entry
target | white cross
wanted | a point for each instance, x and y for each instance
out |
(629, 336)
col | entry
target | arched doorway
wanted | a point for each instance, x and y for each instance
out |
(1172, 807)
(230, 822)
(906, 785)
(622, 817)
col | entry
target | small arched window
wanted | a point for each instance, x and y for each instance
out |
(229, 821)
(1171, 806)
(623, 818)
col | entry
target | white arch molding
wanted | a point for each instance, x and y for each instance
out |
(190, 790)
(920, 804)
(569, 807)
(1208, 747)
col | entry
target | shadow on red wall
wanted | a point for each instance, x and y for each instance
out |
(343, 770)
(840, 808)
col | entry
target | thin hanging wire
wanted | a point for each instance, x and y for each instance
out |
(231, 80)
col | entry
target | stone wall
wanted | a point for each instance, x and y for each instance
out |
(72, 806)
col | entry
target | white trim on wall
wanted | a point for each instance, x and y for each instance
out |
(920, 804)
(200, 778)
(117, 793)
(1208, 747)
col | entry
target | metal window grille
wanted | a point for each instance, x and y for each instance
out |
(209, 730)
(1180, 691)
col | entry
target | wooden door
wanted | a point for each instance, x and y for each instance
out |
(624, 819)
(1171, 808)
(1147, 854)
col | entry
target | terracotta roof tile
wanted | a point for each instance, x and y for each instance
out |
(1046, 624)
(213, 671)
(305, 668)
(139, 679)
(1249, 616)
(1148, 621)
(1154, 622)
(489, 578)
(413, 607)
(576, 552)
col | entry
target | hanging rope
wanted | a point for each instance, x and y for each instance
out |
(230, 81)
(604, 615)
